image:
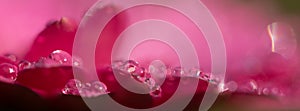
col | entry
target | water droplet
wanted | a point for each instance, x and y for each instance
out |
(249, 86)
(283, 39)
(157, 69)
(259, 91)
(156, 91)
(178, 72)
(24, 65)
(253, 85)
(195, 72)
(126, 67)
(117, 64)
(204, 76)
(265, 91)
(45, 62)
(275, 91)
(232, 86)
(229, 86)
(11, 57)
(61, 57)
(99, 88)
(8, 73)
(150, 83)
(77, 62)
(93, 89)
(139, 74)
(72, 87)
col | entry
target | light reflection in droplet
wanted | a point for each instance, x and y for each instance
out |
(283, 39)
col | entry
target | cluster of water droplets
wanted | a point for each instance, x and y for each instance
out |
(252, 86)
(138, 73)
(55, 59)
(151, 77)
(9, 70)
(89, 89)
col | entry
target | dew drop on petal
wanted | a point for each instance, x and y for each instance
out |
(139, 74)
(232, 86)
(253, 85)
(195, 72)
(275, 91)
(99, 88)
(45, 62)
(117, 64)
(157, 69)
(265, 91)
(156, 91)
(249, 86)
(229, 86)
(86, 90)
(125, 67)
(8, 72)
(178, 72)
(61, 57)
(72, 87)
(77, 61)
(130, 66)
(150, 82)
(11, 57)
(283, 39)
(24, 65)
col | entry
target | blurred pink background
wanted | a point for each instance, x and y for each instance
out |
(22, 20)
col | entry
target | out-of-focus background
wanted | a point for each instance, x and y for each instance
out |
(21, 20)
(241, 21)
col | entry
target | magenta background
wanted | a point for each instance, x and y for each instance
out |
(22, 20)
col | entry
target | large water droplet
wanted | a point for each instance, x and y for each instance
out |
(72, 87)
(283, 39)
(99, 88)
(8, 72)
(61, 57)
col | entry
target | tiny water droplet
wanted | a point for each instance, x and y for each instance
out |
(156, 91)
